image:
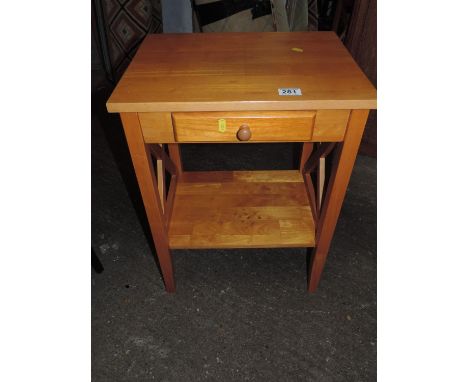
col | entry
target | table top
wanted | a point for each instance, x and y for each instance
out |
(242, 71)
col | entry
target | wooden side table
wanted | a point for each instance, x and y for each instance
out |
(241, 88)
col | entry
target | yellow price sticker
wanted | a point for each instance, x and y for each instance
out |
(221, 125)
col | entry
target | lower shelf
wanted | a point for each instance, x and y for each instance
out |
(238, 209)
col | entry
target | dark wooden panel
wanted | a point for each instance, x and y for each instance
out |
(361, 40)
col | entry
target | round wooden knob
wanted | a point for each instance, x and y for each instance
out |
(244, 133)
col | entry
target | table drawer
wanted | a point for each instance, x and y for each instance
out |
(262, 126)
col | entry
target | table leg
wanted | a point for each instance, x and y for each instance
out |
(174, 154)
(307, 148)
(142, 162)
(320, 181)
(331, 205)
(161, 177)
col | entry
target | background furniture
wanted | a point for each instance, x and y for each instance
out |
(361, 41)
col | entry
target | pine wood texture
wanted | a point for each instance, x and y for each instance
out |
(157, 127)
(142, 162)
(265, 126)
(177, 88)
(307, 149)
(330, 125)
(174, 154)
(314, 160)
(241, 72)
(320, 181)
(161, 177)
(167, 163)
(331, 206)
(231, 209)
(268, 126)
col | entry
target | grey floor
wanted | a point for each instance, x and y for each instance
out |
(238, 315)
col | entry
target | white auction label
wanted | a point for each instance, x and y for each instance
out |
(289, 92)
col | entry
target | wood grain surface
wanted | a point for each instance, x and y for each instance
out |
(144, 170)
(239, 74)
(157, 127)
(230, 209)
(241, 71)
(269, 126)
(330, 125)
(331, 206)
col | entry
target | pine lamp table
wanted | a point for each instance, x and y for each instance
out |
(241, 88)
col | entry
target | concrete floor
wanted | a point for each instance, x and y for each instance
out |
(238, 315)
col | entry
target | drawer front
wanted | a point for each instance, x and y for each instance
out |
(271, 126)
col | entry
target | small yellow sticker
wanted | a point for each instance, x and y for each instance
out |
(297, 50)
(221, 125)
